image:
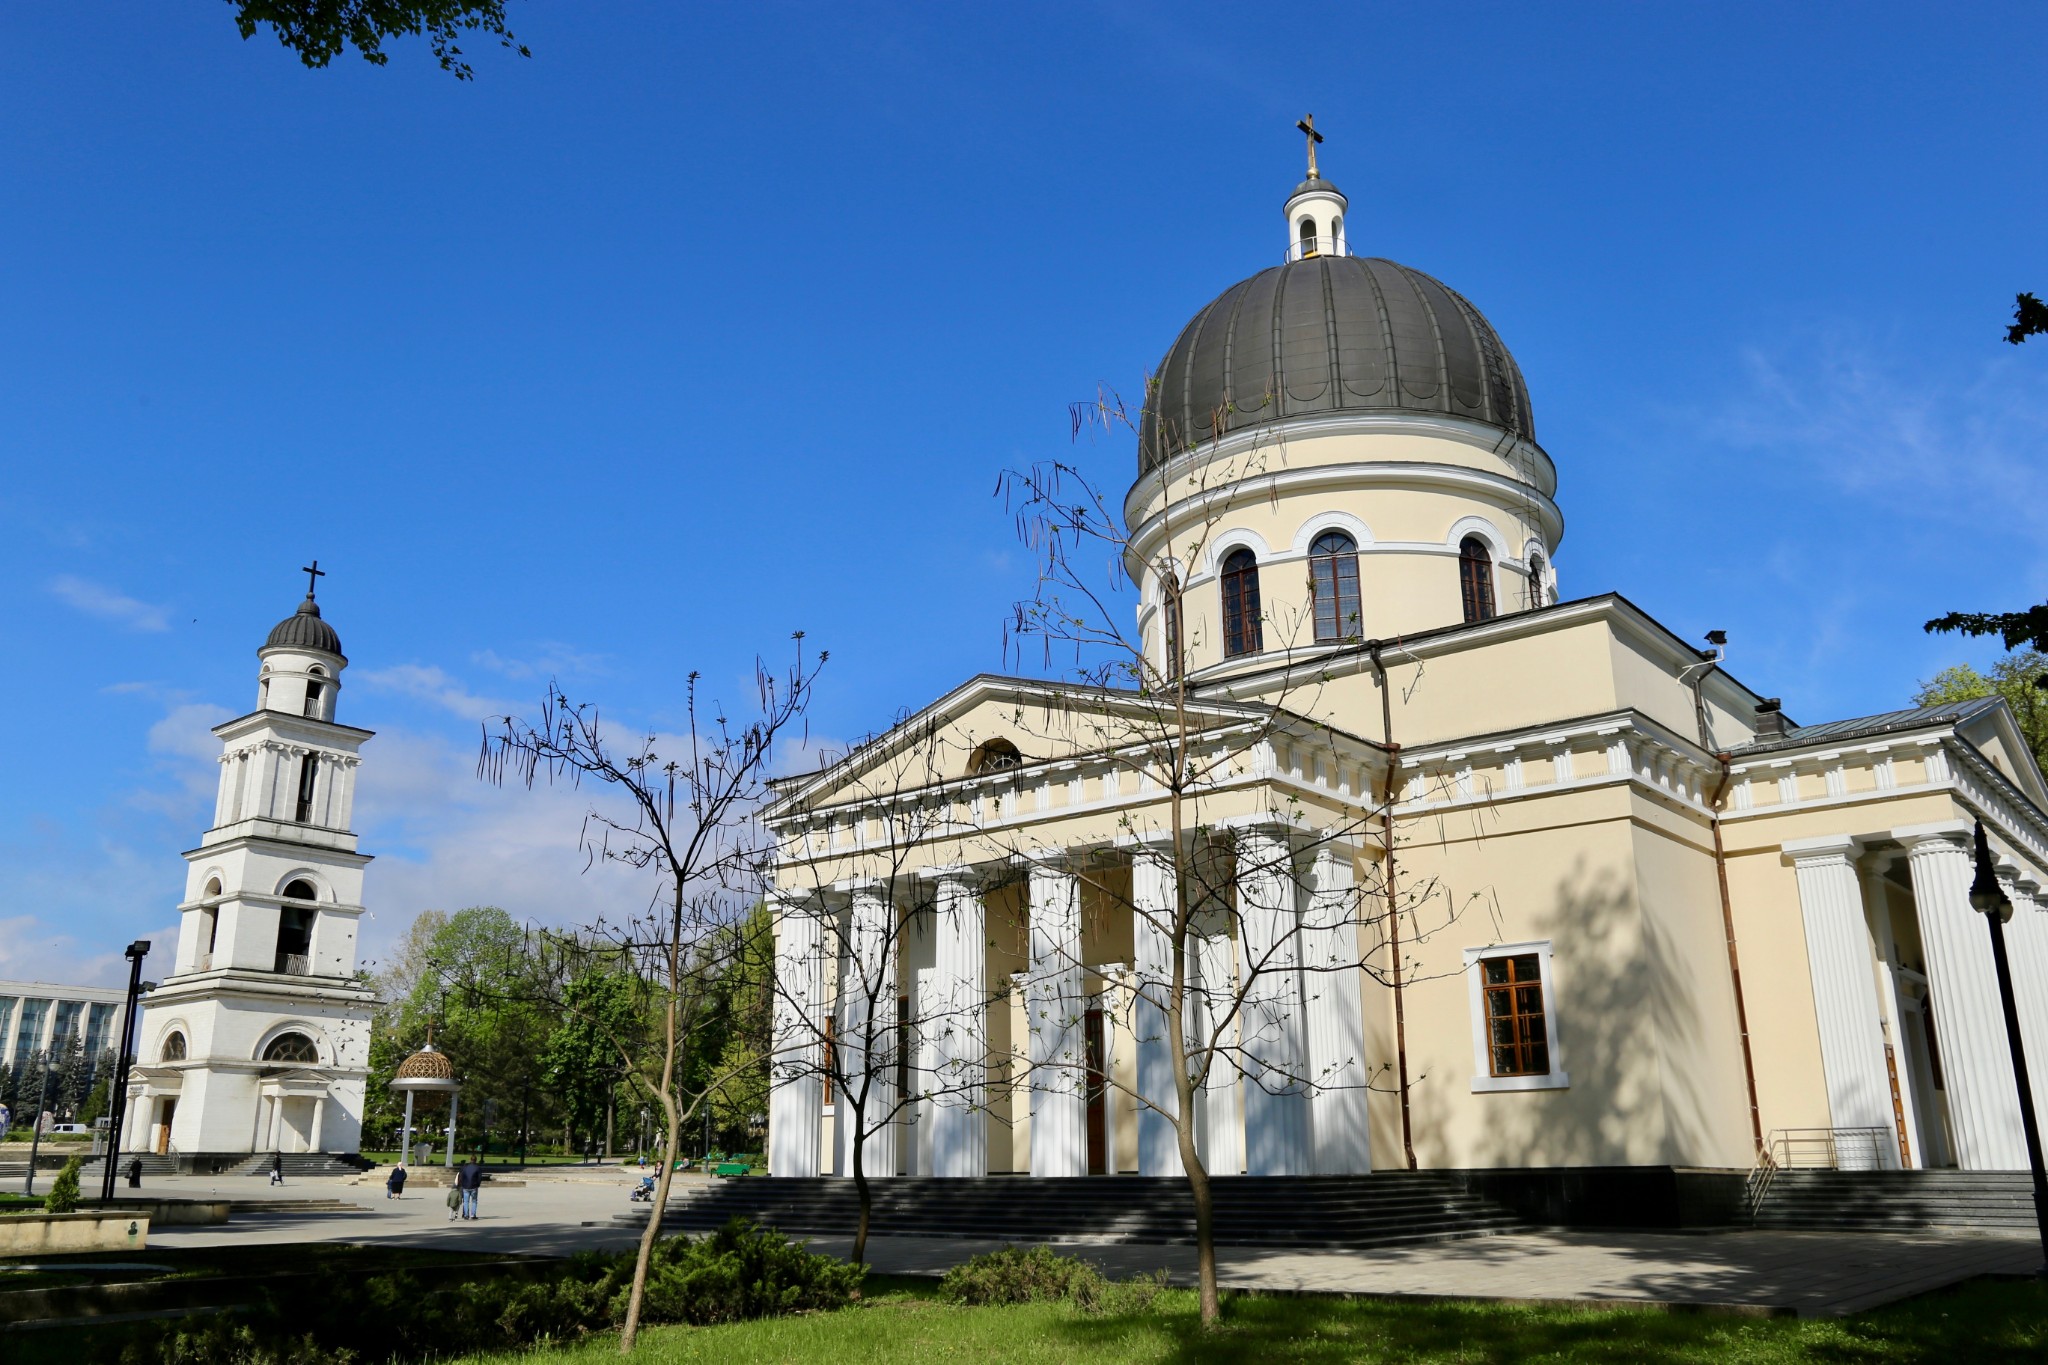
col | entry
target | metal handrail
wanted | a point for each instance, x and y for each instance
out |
(1298, 250)
(1807, 1149)
(295, 964)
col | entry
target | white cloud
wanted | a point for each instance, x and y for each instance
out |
(436, 687)
(553, 661)
(108, 604)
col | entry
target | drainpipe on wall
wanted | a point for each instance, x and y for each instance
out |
(1756, 1121)
(1393, 903)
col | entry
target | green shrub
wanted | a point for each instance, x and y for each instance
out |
(1041, 1275)
(63, 1195)
(742, 1271)
(738, 1272)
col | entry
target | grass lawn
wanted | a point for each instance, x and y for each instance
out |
(1988, 1321)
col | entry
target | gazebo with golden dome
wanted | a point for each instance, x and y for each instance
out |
(431, 1071)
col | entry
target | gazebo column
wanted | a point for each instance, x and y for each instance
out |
(1276, 1138)
(1969, 1023)
(957, 1022)
(454, 1097)
(1153, 902)
(1053, 1008)
(796, 1110)
(868, 1029)
(1839, 964)
(1338, 1125)
(405, 1137)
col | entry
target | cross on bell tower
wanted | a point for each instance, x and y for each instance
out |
(1308, 126)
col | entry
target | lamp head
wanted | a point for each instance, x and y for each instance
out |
(1986, 896)
(138, 950)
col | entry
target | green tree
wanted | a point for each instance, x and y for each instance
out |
(74, 1078)
(321, 30)
(581, 1064)
(738, 1039)
(2029, 318)
(63, 1195)
(2021, 678)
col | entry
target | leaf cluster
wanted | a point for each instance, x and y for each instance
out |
(321, 30)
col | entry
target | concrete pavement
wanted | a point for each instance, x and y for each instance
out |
(1812, 1274)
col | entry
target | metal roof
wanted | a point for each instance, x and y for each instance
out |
(1330, 334)
(1865, 727)
(304, 629)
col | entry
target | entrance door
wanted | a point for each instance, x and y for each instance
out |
(1098, 1128)
(163, 1129)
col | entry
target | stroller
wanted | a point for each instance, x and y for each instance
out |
(643, 1192)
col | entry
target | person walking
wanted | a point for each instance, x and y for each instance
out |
(277, 1168)
(135, 1174)
(469, 1179)
(394, 1184)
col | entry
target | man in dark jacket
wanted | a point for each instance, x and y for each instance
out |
(468, 1180)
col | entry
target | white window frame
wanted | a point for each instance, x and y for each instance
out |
(1483, 1081)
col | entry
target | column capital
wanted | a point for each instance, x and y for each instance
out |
(951, 872)
(1915, 837)
(1827, 848)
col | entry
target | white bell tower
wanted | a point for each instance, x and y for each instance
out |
(1315, 211)
(258, 1040)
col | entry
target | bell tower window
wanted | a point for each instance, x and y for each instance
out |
(309, 772)
(295, 930)
(1308, 237)
(313, 692)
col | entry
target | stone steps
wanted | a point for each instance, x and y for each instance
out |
(1308, 1211)
(1899, 1201)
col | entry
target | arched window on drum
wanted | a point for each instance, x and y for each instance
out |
(1333, 579)
(1475, 579)
(1243, 633)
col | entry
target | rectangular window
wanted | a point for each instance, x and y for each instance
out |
(1172, 615)
(1517, 1043)
(309, 769)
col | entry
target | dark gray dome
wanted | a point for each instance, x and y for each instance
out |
(1324, 335)
(304, 629)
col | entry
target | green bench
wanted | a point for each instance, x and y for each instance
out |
(739, 1163)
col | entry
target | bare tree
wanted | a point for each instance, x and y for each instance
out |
(1251, 932)
(687, 818)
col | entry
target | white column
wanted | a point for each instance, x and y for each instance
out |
(868, 1020)
(1218, 1121)
(1152, 909)
(1890, 999)
(1275, 1057)
(1962, 984)
(1116, 1004)
(1843, 973)
(270, 1129)
(319, 1121)
(796, 1107)
(1338, 1123)
(222, 797)
(958, 1029)
(1053, 1007)
(405, 1138)
(2026, 943)
(454, 1097)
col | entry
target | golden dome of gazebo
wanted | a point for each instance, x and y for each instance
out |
(427, 1069)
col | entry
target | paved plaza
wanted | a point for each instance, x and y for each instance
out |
(1812, 1274)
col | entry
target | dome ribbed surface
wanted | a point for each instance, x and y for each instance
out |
(304, 629)
(1330, 334)
(426, 1065)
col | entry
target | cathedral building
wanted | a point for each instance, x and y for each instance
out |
(258, 1039)
(1597, 902)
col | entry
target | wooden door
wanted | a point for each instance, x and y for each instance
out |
(1098, 1129)
(163, 1132)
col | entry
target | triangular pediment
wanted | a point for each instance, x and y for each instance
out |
(1045, 722)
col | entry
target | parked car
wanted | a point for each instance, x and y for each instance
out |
(77, 1128)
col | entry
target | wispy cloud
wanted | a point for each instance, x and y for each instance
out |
(109, 605)
(435, 686)
(550, 661)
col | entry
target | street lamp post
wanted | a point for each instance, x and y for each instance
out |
(1987, 897)
(117, 1096)
(35, 1139)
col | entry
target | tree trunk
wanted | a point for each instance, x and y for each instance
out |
(611, 1104)
(631, 1328)
(866, 1195)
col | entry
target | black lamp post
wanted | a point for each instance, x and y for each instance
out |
(1988, 898)
(117, 1093)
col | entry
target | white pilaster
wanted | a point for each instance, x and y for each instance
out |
(319, 1122)
(1890, 998)
(1843, 973)
(868, 1033)
(1276, 1138)
(958, 1025)
(1053, 1005)
(1983, 1108)
(796, 1088)
(1330, 959)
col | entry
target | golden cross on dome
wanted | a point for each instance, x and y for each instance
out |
(314, 573)
(1308, 126)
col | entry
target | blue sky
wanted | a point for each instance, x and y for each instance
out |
(710, 323)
